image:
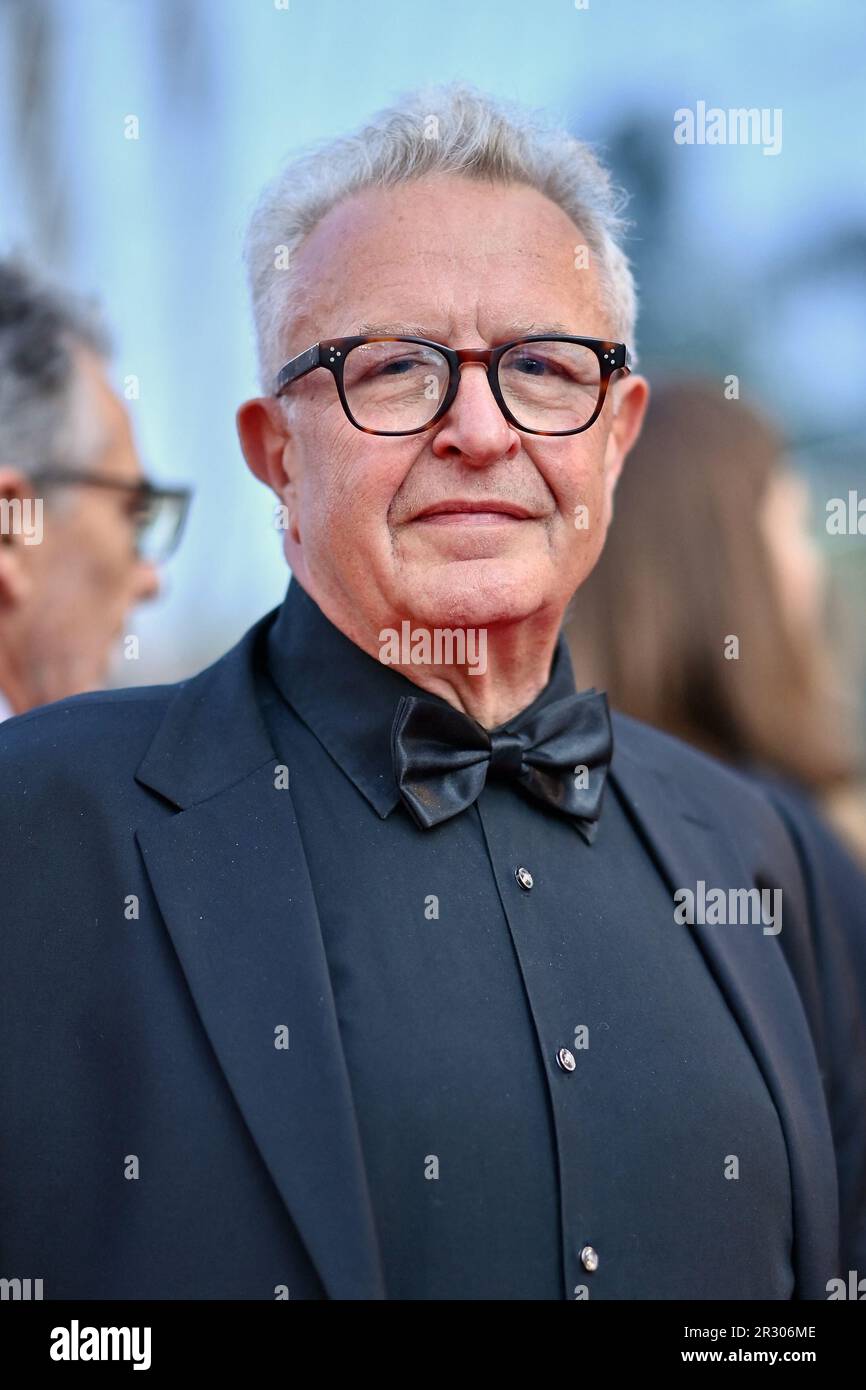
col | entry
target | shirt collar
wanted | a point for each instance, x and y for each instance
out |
(6, 710)
(348, 699)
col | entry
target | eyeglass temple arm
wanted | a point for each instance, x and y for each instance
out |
(145, 485)
(299, 366)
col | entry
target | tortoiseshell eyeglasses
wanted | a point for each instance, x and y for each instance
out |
(545, 384)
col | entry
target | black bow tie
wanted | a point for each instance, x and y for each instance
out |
(559, 755)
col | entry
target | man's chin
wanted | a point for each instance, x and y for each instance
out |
(475, 593)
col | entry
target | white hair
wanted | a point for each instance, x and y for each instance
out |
(451, 129)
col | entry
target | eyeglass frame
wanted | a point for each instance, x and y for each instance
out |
(332, 353)
(144, 489)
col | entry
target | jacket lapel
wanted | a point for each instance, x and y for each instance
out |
(689, 844)
(231, 879)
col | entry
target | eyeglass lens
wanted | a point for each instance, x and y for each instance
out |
(158, 524)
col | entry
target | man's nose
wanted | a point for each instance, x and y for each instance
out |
(475, 426)
(147, 582)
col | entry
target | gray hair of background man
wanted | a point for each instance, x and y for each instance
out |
(45, 414)
(450, 129)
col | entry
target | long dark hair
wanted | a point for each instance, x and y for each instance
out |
(684, 567)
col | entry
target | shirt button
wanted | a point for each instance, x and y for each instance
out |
(524, 878)
(566, 1059)
(589, 1258)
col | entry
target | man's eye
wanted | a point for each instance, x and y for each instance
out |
(530, 366)
(138, 510)
(577, 373)
(388, 369)
(398, 367)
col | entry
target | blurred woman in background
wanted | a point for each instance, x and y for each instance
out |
(707, 612)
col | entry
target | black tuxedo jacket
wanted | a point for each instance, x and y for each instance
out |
(157, 927)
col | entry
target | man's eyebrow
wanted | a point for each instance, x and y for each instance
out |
(517, 329)
(521, 330)
(384, 330)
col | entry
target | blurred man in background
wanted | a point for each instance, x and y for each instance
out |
(81, 529)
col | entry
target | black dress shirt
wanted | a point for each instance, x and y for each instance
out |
(553, 1097)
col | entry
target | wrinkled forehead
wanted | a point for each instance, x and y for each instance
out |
(446, 256)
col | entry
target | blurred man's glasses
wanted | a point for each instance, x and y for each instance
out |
(157, 514)
(394, 385)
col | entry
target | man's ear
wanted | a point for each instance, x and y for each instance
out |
(264, 434)
(630, 399)
(266, 441)
(15, 581)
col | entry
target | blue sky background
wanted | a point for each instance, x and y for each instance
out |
(747, 263)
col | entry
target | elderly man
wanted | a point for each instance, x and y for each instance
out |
(81, 530)
(377, 961)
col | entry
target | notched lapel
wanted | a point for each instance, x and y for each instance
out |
(689, 841)
(231, 879)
